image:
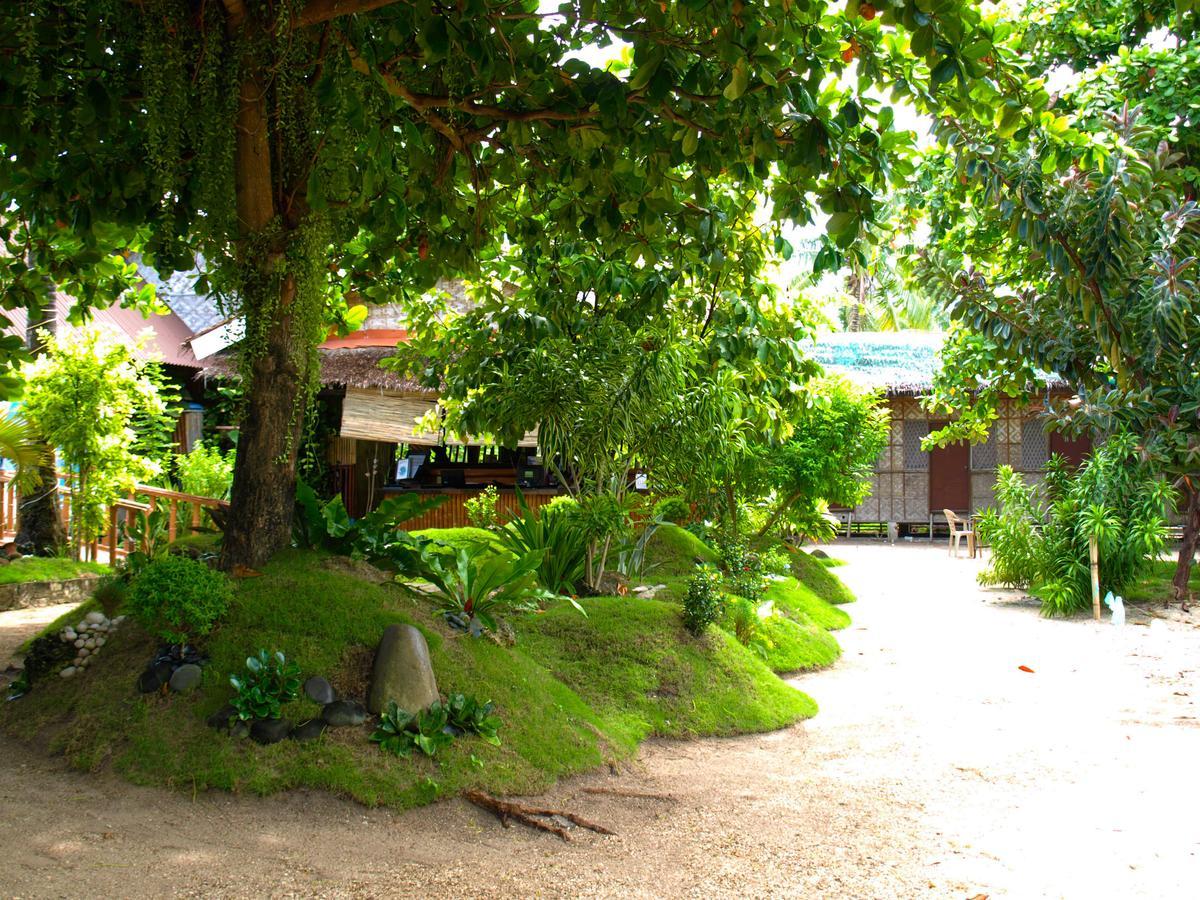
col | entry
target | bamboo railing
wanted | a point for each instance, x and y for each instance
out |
(185, 514)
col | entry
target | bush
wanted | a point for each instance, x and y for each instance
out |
(743, 571)
(742, 621)
(270, 681)
(1040, 535)
(111, 593)
(562, 546)
(205, 472)
(482, 511)
(673, 509)
(178, 599)
(702, 604)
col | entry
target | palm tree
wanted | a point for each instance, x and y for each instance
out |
(40, 522)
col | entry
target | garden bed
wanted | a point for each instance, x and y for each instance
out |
(573, 693)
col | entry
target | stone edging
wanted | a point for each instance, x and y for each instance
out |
(47, 593)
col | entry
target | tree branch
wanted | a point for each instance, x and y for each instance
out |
(317, 11)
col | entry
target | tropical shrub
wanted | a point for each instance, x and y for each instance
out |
(399, 731)
(106, 411)
(178, 599)
(474, 585)
(481, 510)
(205, 471)
(111, 592)
(327, 523)
(560, 543)
(1040, 534)
(702, 603)
(673, 509)
(741, 619)
(270, 681)
(465, 714)
(744, 575)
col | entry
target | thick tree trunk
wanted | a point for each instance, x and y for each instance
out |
(38, 522)
(264, 476)
(1187, 549)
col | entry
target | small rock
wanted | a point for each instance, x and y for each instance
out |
(318, 690)
(95, 617)
(77, 661)
(309, 731)
(149, 681)
(90, 644)
(69, 634)
(86, 661)
(100, 642)
(222, 717)
(118, 620)
(83, 652)
(818, 553)
(186, 677)
(79, 642)
(344, 713)
(82, 626)
(68, 672)
(270, 731)
(239, 729)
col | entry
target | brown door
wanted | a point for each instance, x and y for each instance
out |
(950, 477)
(1073, 450)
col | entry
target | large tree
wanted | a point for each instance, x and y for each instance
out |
(1065, 241)
(310, 147)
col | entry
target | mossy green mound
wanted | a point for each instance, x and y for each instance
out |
(810, 571)
(798, 647)
(676, 551)
(47, 568)
(802, 604)
(573, 693)
(463, 538)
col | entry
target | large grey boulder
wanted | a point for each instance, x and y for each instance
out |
(402, 671)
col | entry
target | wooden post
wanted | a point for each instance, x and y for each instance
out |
(112, 535)
(172, 521)
(1094, 553)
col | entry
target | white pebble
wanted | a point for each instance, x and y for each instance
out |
(90, 643)
(69, 634)
(80, 642)
(83, 652)
(100, 642)
(118, 620)
(94, 616)
(67, 672)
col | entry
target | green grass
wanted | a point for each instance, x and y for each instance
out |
(797, 647)
(574, 693)
(1155, 588)
(802, 604)
(675, 551)
(47, 568)
(830, 562)
(809, 570)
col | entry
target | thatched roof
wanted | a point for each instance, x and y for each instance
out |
(345, 367)
(899, 362)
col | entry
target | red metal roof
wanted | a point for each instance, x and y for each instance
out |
(168, 333)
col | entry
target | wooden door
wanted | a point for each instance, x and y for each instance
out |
(950, 477)
(1073, 450)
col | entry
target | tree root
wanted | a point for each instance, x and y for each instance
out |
(636, 795)
(530, 816)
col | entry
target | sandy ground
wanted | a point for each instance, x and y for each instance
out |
(936, 768)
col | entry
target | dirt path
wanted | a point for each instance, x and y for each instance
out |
(936, 768)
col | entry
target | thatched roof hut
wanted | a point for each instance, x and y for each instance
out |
(902, 363)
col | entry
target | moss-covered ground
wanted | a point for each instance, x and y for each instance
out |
(672, 550)
(810, 570)
(799, 602)
(573, 693)
(47, 568)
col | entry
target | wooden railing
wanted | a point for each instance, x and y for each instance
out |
(185, 514)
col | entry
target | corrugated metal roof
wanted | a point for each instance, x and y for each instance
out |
(168, 333)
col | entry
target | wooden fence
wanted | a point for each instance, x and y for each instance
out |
(185, 515)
